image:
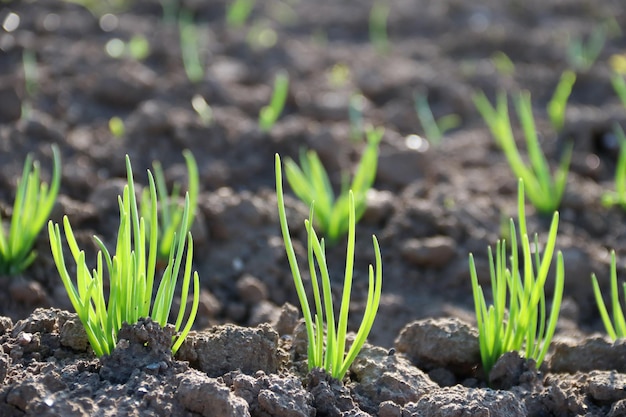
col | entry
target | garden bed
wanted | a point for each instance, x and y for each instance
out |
(431, 206)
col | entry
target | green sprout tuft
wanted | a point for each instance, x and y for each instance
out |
(269, 114)
(558, 103)
(503, 64)
(170, 212)
(131, 273)
(619, 85)
(190, 46)
(238, 12)
(356, 106)
(615, 328)
(619, 196)
(582, 55)
(33, 203)
(519, 293)
(329, 352)
(433, 128)
(310, 182)
(379, 14)
(544, 191)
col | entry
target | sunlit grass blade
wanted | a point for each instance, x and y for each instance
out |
(524, 329)
(330, 355)
(33, 204)
(615, 324)
(130, 271)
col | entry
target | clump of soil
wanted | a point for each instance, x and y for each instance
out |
(46, 368)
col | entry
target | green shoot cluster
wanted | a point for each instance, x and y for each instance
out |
(131, 272)
(328, 350)
(310, 182)
(171, 212)
(269, 114)
(618, 197)
(558, 102)
(190, 46)
(379, 15)
(33, 203)
(433, 128)
(238, 11)
(544, 191)
(517, 319)
(615, 326)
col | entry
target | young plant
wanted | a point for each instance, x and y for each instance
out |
(503, 64)
(379, 14)
(619, 85)
(310, 183)
(615, 327)
(558, 103)
(116, 126)
(137, 48)
(328, 350)
(355, 114)
(516, 321)
(170, 10)
(170, 211)
(131, 272)
(190, 47)
(270, 113)
(582, 55)
(33, 203)
(203, 109)
(238, 12)
(98, 8)
(544, 190)
(31, 81)
(619, 196)
(433, 128)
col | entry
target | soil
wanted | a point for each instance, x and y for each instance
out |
(431, 206)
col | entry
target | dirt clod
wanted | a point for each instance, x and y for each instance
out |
(445, 342)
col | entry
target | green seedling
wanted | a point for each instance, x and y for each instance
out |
(619, 196)
(31, 80)
(503, 63)
(238, 11)
(617, 62)
(33, 204)
(137, 48)
(190, 46)
(615, 326)
(379, 14)
(261, 35)
(516, 321)
(544, 190)
(327, 350)
(99, 8)
(434, 128)
(582, 55)
(282, 12)
(131, 271)
(339, 75)
(171, 213)
(356, 106)
(116, 126)
(170, 10)
(310, 183)
(203, 109)
(619, 85)
(269, 114)
(558, 103)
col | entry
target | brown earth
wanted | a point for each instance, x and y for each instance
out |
(430, 207)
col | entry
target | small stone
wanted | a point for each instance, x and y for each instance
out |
(434, 252)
